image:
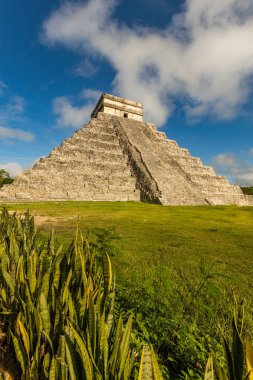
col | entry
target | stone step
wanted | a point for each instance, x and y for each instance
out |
(216, 189)
(96, 134)
(90, 142)
(102, 190)
(84, 150)
(99, 127)
(237, 189)
(172, 143)
(79, 156)
(79, 187)
(177, 153)
(182, 200)
(110, 137)
(161, 135)
(239, 200)
(100, 157)
(120, 197)
(88, 132)
(87, 149)
(105, 188)
(112, 168)
(101, 176)
(97, 142)
(204, 178)
(108, 174)
(193, 169)
(36, 196)
(187, 160)
(226, 190)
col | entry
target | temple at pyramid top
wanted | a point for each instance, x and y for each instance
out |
(113, 105)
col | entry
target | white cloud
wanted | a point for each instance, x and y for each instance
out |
(13, 168)
(90, 95)
(15, 134)
(3, 86)
(69, 115)
(16, 105)
(86, 68)
(12, 109)
(205, 54)
(232, 166)
(225, 160)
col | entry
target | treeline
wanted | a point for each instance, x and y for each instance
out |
(247, 190)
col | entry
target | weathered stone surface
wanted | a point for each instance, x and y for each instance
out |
(119, 158)
(116, 106)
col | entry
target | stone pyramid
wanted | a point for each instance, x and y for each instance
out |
(118, 157)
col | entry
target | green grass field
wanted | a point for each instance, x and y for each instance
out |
(179, 263)
(153, 237)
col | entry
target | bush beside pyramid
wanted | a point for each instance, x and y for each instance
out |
(118, 157)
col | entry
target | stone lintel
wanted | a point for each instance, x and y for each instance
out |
(114, 105)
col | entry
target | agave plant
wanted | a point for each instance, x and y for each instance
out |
(56, 310)
(236, 368)
(149, 367)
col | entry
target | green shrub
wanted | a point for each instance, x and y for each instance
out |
(5, 178)
(247, 190)
(6, 181)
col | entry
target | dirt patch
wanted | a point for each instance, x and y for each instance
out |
(44, 221)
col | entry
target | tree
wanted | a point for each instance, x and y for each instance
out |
(4, 174)
(4, 177)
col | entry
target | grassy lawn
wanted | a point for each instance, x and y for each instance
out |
(175, 266)
(152, 238)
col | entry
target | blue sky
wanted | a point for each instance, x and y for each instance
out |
(189, 62)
